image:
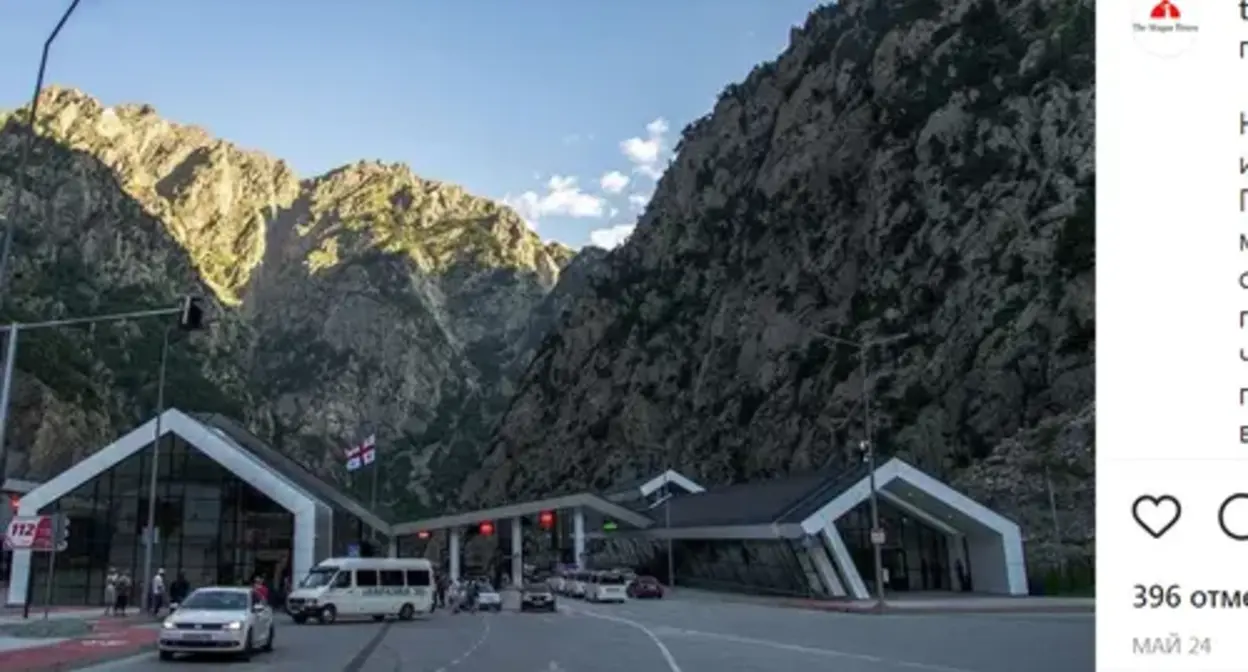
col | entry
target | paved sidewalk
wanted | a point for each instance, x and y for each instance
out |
(105, 640)
(927, 604)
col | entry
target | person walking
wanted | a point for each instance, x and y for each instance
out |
(110, 591)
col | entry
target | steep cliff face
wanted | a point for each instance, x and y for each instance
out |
(906, 167)
(366, 300)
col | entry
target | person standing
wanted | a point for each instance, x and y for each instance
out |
(158, 592)
(110, 591)
(260, 589)
(124, 585)
(179, 589)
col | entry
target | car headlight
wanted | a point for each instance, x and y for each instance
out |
(169, 624)
(234, 625)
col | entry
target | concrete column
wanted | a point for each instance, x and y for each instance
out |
(578, 538)
(517, 553)
(392, 550)
(19, 576)
(453, 534)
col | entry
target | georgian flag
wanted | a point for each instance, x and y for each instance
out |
(363, 454)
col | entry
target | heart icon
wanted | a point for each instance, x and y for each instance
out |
(1156, 514)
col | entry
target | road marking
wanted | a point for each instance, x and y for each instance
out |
(485, 633)
(672, 665)
(797, 648)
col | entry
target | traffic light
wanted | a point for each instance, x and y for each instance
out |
(610, 525)
(486, 528)
(423, 534)
(61, 531)
(192, 316)
(546, 519)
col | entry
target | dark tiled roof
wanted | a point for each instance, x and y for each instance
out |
(780, 501)
(285, 466)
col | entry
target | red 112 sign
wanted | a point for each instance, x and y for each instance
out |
(30, 533)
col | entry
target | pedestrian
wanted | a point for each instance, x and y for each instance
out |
(178, 590)
(440, 594)
(110, 591)
(158, 592)
(261, 590)
(124, 585)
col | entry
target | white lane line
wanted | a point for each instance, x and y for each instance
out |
(485, 633)
(672, 665)
(797, 648)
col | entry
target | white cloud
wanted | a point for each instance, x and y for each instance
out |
(563, 198)
(614, 212)
(648, 154)
(611, 237)
(638, 201)
(613, 182)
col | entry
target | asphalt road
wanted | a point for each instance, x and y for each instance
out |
(675, 636)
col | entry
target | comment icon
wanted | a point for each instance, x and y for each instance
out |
(1233, 516)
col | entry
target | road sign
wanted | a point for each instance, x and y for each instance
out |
(877, 537)
(33, 533)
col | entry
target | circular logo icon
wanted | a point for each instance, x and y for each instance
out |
(1165, 28)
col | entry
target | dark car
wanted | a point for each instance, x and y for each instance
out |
(537, 597)
(645, 587)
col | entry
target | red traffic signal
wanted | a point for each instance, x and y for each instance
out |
(546, 518)
(486, 528)
(423, 534)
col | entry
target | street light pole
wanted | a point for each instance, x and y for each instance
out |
(867, 448)
(150, 541)
(19, 185)
(667, 525)
(19, 180)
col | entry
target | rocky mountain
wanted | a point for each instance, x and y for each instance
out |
(364, 300)
(909, 170)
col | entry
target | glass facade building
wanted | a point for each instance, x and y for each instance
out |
(212, 525)
(915, 557)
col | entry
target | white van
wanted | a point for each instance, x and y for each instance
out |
(354, 587)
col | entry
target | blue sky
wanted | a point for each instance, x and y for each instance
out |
(530, 100)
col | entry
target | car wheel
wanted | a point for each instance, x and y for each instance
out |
(379, 617)
(245, 654)
(268, 641)
(407, 612)
(328, 615)
(166, 655)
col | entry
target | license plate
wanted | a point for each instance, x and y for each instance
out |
(197, 637)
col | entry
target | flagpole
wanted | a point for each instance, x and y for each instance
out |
(372, 508)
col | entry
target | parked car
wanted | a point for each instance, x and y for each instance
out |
(644, 587)
(537, 597)
(606, 587)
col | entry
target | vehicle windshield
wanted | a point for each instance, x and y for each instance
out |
(485, 587)
(319, 576)
(216, 600)
(537, 588)
(612, 580)
(648, 580)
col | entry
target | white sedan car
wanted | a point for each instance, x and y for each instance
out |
(218, 620)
